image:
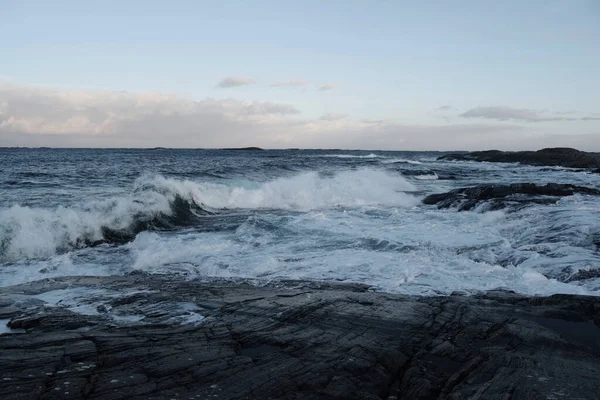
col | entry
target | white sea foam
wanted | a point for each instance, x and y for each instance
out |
(87, 301)
(372, 155)
(400, 161)
(37, 232)
(80, 300)
(4, 329)
(34, 232)
(427, 177)
(27, 232)
(361, 225)
(310, 191)
(412, 252)
(395, 249)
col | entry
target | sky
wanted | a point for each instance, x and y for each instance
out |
(378, 74)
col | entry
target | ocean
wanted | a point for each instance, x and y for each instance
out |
(264, 217)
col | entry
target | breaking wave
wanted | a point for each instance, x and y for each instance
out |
(159, 203)
(401, 161)
(372, 155)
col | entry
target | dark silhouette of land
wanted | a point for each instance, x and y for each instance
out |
(557, 156)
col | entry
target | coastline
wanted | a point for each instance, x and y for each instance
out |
(301, 340)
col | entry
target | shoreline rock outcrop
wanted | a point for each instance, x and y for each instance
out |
(298, 340)
(502, 196)
(556, 156)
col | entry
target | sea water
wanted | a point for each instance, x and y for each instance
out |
(269, 216)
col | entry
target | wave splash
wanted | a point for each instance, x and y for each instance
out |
(372, 155)
(311, 190)
(159, 203)
(27, 232)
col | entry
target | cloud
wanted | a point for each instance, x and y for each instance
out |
(291, 83)
(444, 108)
(375, 121)
(500, 113)
(333, 117)
(328, 86)
(32, 116)
(235, 81)
(508, 113)
(142, 118)
(563, 113)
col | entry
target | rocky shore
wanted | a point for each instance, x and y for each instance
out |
(557, 156)
(152, 337)
(503, 196)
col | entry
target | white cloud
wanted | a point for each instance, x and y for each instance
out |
(31, 116)
(563, 113)
(502, 113)
(119, 116)
(235, 81)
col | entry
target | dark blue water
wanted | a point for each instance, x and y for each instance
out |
(351, 216)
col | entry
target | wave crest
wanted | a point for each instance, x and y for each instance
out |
(159, 203)
(372, 155)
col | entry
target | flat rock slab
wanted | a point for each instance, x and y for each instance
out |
(294, 341)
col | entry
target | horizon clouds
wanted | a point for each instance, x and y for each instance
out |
(35, 116)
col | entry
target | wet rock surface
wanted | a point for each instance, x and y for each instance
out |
(558, 156)
(294, 341)
(503, 196)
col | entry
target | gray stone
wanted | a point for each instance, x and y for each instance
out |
(304, 341)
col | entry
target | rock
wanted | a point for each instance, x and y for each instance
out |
(584, 275)
(304, 341)
(558, 156)
(416, 172)
(245, 148)
(501, 196)
(182, 213)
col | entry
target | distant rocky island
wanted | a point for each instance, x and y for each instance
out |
(556, 156)
(251, 148)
